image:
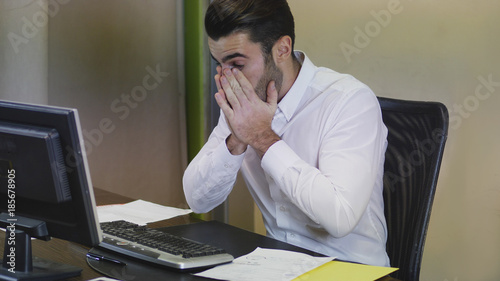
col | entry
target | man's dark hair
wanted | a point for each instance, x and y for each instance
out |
(265, 21)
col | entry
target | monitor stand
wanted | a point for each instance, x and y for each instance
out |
(18, 262)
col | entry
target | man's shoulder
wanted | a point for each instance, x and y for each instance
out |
(331, 87)
(326, 79)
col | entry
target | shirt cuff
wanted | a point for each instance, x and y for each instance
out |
(222, 158)
(278, 159)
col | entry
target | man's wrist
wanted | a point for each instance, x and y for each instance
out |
(235, 146)
(264, 142)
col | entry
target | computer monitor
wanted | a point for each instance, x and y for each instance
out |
(45, 187)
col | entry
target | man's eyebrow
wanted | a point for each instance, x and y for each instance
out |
(231, 56)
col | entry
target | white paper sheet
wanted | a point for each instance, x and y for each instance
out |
(266, 264)
(140, 212)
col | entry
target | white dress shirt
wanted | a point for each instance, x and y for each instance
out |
(320, 186)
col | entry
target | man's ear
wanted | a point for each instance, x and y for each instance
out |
(282, 49)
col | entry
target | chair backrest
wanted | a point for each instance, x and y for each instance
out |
(416, 139)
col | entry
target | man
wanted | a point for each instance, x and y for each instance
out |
(309, 141)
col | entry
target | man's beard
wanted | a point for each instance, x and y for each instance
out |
(271, 73)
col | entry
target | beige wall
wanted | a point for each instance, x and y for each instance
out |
(23, 59)
(430, 50)
(116, 62)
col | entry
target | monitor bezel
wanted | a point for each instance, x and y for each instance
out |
(85, 230)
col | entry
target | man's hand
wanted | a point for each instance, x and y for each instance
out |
(248, 116)
(235, 146)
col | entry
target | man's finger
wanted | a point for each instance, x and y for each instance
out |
(217, 77)
(217, 81)
(231, 97)
(223, 104)
(233, 84)
(245, 85)
(222, 94)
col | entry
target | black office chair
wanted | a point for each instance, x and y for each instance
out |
(416, 139)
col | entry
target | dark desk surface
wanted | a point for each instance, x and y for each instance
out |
(74, 254)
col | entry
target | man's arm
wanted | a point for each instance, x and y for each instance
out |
(335, 191)
(246, 120)
(210, 176)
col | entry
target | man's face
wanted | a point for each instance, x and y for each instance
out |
(236, 50)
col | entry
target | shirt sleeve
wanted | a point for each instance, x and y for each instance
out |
(210, 176)
(335, 192)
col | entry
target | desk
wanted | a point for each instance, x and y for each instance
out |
(74, 254)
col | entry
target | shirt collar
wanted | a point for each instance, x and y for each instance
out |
(288, 104)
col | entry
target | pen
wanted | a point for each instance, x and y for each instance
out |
(103, 258)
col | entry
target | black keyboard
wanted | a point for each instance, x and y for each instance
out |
(155, 246)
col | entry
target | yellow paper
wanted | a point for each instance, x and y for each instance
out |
(345, 271)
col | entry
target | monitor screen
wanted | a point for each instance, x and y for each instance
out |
(44, 173)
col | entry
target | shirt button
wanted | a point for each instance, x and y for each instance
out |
(282, 208)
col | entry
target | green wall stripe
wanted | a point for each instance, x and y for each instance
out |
(194, 73)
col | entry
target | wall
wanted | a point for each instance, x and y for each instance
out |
(444, 51)
(23, 63)
(116, 61)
